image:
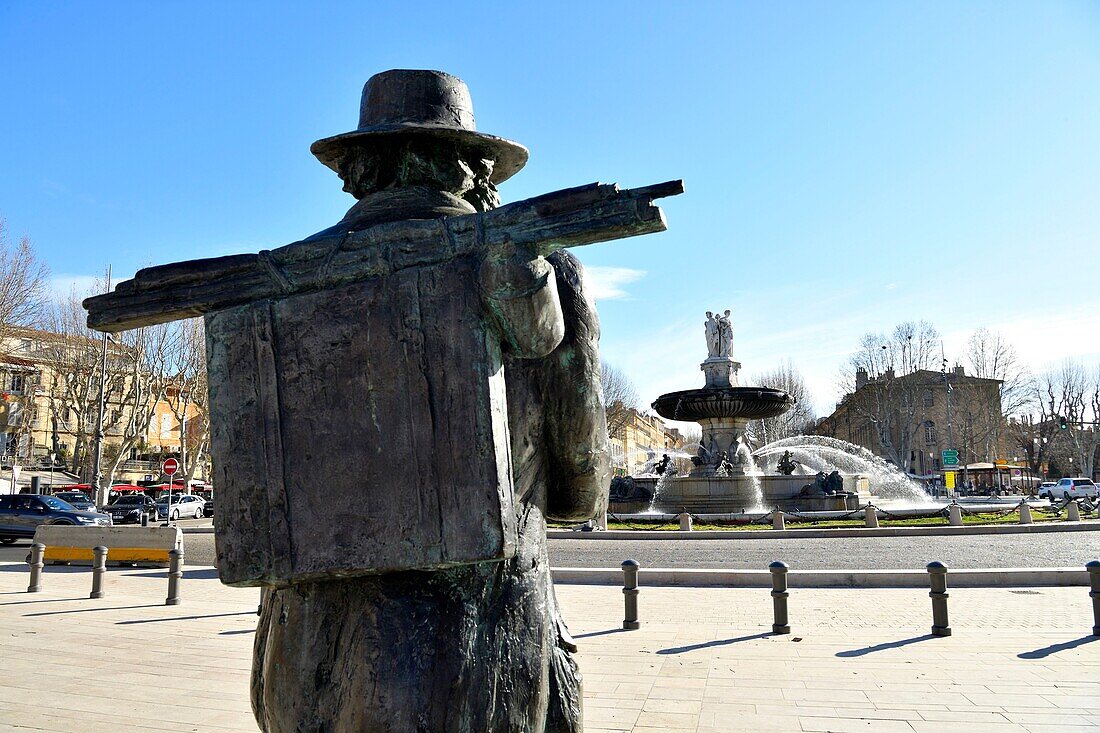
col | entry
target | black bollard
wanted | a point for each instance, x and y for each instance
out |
(175, 572)
(1094, 593)
(779, 597)
(937, 579)
(630, 595)
(99, 570)
(38, 551)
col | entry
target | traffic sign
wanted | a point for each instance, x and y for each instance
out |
(950, 457)
(171, 466)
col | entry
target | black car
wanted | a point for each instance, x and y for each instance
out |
(129, 508)
(78, 499)
(20, 515)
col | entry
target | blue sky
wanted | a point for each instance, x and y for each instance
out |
(848, 165)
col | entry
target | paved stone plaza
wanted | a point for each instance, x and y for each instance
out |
(1019, 660)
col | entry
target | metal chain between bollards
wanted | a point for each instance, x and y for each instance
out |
(630, 595)
(38, 551)
(937, 580)
(175, 573)
(99, 570)
(781, 624)
(1094, 593)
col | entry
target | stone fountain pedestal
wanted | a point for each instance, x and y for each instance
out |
(723, 478)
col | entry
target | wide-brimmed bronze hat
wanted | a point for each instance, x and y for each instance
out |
(409, 103)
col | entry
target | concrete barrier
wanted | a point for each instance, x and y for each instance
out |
(138, 545)
(900, 578)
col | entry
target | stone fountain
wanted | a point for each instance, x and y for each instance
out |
(724, 478)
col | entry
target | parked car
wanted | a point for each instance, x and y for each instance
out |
(78, 499)
(20, 515)
(130, 507)
(1075, 488)
(183, 505)
(1046, 490)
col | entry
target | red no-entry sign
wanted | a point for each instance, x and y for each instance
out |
(171, 466)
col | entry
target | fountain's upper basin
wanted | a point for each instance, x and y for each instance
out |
(750, 403)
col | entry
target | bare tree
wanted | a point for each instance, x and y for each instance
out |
(23, 280)
(889, 401)
(1034, 436)
(149, 351)
(1078, 392)
(191, 407)
(1060, 427)
(620, 396)
(981, 422)
(991, 357)
(72, 356)
(799, 420)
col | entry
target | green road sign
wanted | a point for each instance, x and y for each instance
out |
(950, 457)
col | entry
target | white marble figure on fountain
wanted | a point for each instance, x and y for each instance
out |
(714, 339)
(719, 332)
(725, 335)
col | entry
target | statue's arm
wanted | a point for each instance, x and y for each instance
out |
(520, 293)
(575, 423)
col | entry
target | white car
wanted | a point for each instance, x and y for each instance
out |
(1046, 490)
(183, 505)
(1074, 488)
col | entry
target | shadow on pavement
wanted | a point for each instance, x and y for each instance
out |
(196, 573)
(597, 633)
(23, 568)
(242, 631)
(884, 645)
(41, 600)
(1055, 648)
(717, 642)
(89, 610)
(183, 618)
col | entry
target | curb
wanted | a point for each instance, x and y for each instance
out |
(975, 578)
(742, 534)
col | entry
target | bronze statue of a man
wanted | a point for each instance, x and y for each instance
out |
(467, 647)
(397, 405)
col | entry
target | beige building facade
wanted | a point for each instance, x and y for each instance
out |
(40, 412)
(640, 442)
(909, 420)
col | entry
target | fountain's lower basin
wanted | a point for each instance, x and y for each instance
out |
(718, 495)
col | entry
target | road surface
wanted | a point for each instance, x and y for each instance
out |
(1053, 549)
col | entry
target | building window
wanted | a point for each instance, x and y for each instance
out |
(25, 345)
(930, 433)
(929, 399)
(16, 383)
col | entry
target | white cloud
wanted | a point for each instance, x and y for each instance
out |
(607, 283)
(82, 285)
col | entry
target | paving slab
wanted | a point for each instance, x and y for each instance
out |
(703, 661)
